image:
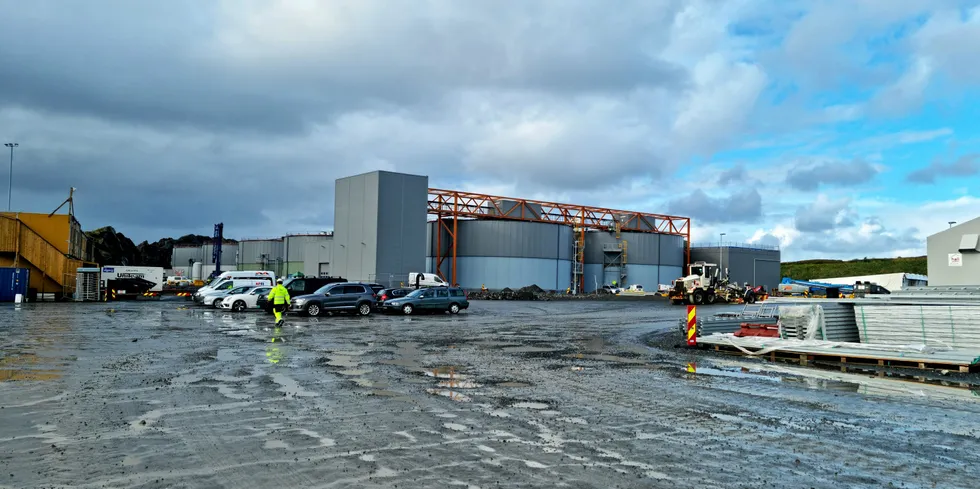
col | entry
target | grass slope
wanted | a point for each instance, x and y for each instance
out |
(811, 269)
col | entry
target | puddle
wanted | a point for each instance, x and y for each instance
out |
(459, 384)
(355, 372)
(443, 373)
(274, 444)
(291, 387)
(606, 358)
(28, 367)
(456, 427)
(131, 460)
(455, 396)
(530, 405)
(530, 349)
(226, 355)
(344, 361)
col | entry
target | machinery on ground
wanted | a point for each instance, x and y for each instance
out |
(704, 284)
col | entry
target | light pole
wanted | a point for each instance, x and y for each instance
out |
(10, 175)
(721, 264)
(951, 223)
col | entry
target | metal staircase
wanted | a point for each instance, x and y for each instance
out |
(578, 266)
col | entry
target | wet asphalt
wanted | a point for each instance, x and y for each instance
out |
(507, 394)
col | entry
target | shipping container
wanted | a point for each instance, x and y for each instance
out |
(14, 281)
(152, 274)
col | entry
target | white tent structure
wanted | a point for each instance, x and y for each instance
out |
(890, 281)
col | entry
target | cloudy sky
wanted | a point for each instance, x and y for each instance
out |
(838, 129)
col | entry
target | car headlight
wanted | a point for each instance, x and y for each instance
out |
(299, 301)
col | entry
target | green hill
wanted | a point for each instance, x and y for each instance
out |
(811, 269)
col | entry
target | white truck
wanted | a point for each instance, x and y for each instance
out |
(704, 284)
(152, 274)
(420, 280)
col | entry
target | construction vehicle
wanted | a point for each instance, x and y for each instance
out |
(704, 284)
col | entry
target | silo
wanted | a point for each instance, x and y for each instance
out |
(649, 259)
(501, 253)
(197, 272)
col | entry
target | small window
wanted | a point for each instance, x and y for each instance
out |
(442, 293)
(296, 286)
(456, 293)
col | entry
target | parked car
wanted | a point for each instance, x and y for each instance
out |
(248, 300)
(452, 299)
(347, 297)
(230, 280)
(377, 288)
(298, 286)
(214, 298)
(386, 294)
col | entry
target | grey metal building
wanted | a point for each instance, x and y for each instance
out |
(751, 263)
(379, 226)
(646, 259)
(261, 254)
(309, 254)
(953, 255)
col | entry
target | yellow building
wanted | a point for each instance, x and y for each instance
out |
(52, 246)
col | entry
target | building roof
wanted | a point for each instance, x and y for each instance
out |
(959, 227)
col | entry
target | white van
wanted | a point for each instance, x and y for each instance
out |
(419, 280)
(229, 280)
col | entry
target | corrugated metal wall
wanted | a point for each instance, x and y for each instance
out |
(182, 255)
(755, 266)
(642, 248)
(400, 215)
(317, 258)
(229, 255)
(296, 247)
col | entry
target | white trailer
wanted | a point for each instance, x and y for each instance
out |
(153, 274)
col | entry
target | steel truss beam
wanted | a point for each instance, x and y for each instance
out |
(448, 206)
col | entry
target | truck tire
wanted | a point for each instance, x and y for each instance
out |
(697, 297)
(711, 298)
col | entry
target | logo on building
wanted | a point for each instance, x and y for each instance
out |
(956, 259)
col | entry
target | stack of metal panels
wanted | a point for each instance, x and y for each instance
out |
(728, 324)
(950, 324)
(837, 323)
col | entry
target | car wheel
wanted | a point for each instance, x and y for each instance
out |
(216, 303)
(313, 310)
(407, 309)
(364, 309)
(454, 308)
(238, 306)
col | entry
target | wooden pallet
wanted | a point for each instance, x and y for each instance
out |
(960, 361)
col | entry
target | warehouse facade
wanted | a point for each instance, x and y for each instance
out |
(953, 255)
(754, 264)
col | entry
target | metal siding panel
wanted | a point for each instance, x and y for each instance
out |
(511, 239)
(642, 248)
(646, 275)
(593, 274)
(403, 200)
(182, 255)
(498, 273)
(938, 248)
(672, 250)
(669, 274)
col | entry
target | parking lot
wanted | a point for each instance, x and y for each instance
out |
(505, 394)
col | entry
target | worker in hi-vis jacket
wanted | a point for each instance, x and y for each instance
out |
(279, 297)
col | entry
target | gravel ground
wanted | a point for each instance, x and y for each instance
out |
(506, 394)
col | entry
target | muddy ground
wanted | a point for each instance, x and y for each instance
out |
(507, 394)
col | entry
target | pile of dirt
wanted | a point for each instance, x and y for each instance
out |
(533, 293)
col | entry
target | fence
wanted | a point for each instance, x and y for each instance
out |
(390, 280)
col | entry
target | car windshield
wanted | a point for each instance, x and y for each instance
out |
(323, 290)
(240, 290)
(259, 290)
(697, 271)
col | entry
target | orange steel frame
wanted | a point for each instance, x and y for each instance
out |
(451, 205)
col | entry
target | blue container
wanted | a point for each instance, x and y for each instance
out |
(14, 281)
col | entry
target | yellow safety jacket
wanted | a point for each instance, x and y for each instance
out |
(279, 295)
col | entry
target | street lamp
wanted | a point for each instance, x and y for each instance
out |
(951, 223)
(721, 264)
(10, 175)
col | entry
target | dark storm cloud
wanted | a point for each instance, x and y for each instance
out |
(180, 114)
(810, 176)
(964, 166)
(741, 207)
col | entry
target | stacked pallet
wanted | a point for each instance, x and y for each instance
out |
(952, 325)
(832, 321)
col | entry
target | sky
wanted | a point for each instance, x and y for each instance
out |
(833, 128)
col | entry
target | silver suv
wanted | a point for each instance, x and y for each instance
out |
(347, 297)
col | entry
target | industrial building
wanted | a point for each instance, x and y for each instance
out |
(891, 281)
(51, 246)
(387, 225)
(953, 255)
(751, 263)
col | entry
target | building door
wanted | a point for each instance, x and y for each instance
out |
(324, 270)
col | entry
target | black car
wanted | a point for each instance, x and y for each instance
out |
(388, 294)
(347, 297)
(298, 286)
(377, 288)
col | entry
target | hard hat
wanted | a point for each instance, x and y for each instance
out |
(279, 280)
